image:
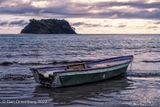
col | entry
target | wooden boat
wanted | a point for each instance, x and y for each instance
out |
(81, 73)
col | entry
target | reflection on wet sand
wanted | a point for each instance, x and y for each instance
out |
(68, 96)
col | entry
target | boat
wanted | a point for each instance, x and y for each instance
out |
(82, 72)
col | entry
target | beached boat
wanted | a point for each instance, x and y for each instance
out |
(82, 72)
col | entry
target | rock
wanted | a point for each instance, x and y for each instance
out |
(48, 26)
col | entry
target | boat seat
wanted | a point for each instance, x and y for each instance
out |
(77, 66)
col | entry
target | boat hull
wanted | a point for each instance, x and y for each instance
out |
(78, 78)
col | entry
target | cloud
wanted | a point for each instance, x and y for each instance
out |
(85, 24)
(138, 4)
(142, 9)
(122, 26)
(3, 23)
(18, 23)
(158, 23)
(153, 27)
(107, 25)
(78, 24)
(13, 23)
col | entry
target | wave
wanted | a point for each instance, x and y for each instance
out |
(15, 77)
(143, 74)
(9, 63)
(151, 61)
(22, 77)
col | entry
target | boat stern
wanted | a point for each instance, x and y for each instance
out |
(40, 78)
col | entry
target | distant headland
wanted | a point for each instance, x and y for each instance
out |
(48, 26)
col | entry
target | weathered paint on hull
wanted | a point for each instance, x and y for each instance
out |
(77, 78)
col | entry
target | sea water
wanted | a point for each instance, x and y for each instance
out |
(20, 52)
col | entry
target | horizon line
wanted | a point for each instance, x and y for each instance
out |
(84, 34)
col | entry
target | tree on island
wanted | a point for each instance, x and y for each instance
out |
(48, 26)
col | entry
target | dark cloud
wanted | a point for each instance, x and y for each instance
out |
(89, 25)
(18, 23)
(2, 1)
(85, 24)
(107, 25)
(157, 23)
(3, 23)
(19, 10)
(13, 23)
(122, 26)
(153, 27)
(78, 24)
(143, 14)
(136, 4)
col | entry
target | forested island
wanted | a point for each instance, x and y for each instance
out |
(48, 26)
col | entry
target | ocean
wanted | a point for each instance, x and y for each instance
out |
(20, 52)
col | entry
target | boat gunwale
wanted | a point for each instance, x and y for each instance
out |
(130, 58)
(98, 68)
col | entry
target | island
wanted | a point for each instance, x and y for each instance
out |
(48, 26)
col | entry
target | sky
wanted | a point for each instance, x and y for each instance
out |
(86, 16)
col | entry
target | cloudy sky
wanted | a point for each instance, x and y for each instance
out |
(86, 16)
